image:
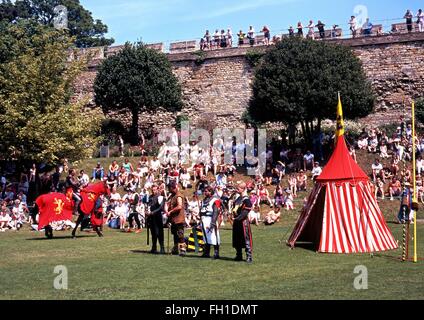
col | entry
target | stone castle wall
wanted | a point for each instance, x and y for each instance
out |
(218, 89)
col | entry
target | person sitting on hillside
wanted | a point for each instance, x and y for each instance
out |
(379, 188)
(279, 196)
(4, 217)
(293, 184)
(114, 169)
(373, 144)
(363, 143)
(255, 215)
(316, 171)
(288, 200)
(98, 172)
(383, 151)
(395, 188)
(302, 180)
(377, 168)
(264, 196)
(273, 216)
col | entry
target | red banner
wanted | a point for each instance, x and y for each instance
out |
(53, 207)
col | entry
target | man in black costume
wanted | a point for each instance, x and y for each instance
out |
(154, 219)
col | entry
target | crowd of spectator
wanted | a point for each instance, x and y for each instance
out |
(224, 39)
(289, 172)
(391, 169)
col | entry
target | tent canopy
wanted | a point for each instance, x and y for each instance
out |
(342, 214)
(341, 167)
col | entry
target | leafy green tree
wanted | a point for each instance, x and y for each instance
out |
(419, 110)
(81, 25)
(137, 79)
(297, 82)
(38, 122)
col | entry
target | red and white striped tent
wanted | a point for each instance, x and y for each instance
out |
(342, 215)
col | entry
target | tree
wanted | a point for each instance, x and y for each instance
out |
(297, 82)
(81, 25)
(137, 79)
(38, 122)
(419, 110)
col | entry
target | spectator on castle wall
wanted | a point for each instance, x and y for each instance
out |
(202, 44)
(367, 28)
(420, 20)
(229, 36)
(321, 29)
(223, 39)
(207, 38)
(251, 35)
(353, 28)
(395, 29)
(409, 24)
(241, 37)
(334, 32)
(300, 29)
(216, 39)
(311, 30)
(291, 31)
(267, 35)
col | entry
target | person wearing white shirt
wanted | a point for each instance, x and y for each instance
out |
(316, 171)
(4, 218)
(376, 169)
(420, 20)
(155, 164)
(229, 38)
(122, 211)
(420, 165)
(311, 32)
(84, 179)
(251, 35)
(185, 178)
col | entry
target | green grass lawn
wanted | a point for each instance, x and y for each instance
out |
(114, 267)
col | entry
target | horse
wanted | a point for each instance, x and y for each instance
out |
(90, 204)
(52, 207)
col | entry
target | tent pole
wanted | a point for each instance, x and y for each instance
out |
(415, 200)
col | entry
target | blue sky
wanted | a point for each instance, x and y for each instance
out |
(174, 20)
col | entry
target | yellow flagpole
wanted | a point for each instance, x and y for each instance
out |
(415, 198)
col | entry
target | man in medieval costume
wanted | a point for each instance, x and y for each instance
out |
(242, 234)
(176, 216)
(209, 215)
(154, 219)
